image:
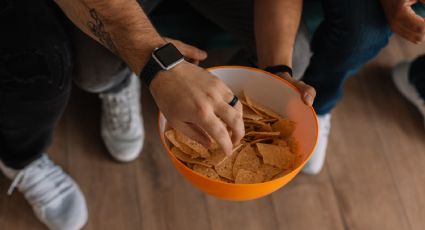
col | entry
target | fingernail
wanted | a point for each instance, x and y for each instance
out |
(309, 99)
(204, 54)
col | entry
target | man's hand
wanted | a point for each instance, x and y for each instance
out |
(196, 102)
(403, 20)
(307, 92)
(191, 53)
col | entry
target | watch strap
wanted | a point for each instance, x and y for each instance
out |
(279, 69)
(149, 71)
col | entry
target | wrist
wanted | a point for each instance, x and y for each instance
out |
(274, 60)
(279, 69)
(163, 58)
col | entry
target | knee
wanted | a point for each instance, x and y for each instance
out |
(356, 31)
(99, 77)
(36, 75)
(370, 37)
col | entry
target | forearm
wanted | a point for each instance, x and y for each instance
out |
(119, 25)
(276, 24)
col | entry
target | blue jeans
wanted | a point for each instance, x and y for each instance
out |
(352, 33)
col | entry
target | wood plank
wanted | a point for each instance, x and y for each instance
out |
(308, 202)
(367, 194)
(249, 215)
(402, 136)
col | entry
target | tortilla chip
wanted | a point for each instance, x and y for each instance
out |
(269, 171)
(171, 136)
(248, 103)
(222, 179)
(259, 109)
(262, 134)
(186, 158)
(292, 143)
(278, 156)
(265, 110)
(225, 167)
(238, 147)
(281, 174)
(261, 140)
(264, 127)
(216, 156)
(248, 177)
(195, 146)
(252, 116)
(206, 171)
(280, 142)
(285, 126)
(246, 159)
(269, 120)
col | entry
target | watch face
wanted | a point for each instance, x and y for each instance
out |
(168, 55)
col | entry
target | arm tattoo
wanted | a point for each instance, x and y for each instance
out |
(98, 29)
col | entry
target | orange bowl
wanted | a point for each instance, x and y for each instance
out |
(275, 93)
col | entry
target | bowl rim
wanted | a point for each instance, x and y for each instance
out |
(169, 153)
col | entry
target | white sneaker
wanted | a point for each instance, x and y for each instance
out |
(122, 124)
(315, 164)
(55, 198)
(400, 77)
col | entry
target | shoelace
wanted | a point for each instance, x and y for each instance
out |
(119, 109)
(42, 182)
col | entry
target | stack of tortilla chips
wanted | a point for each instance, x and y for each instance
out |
(267, 151)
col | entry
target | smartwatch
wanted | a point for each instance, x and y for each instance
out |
(163, 58)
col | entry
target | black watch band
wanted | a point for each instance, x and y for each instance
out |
(165, 57)
(279, 69)
(149, 71)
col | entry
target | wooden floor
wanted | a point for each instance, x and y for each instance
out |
(373, 179)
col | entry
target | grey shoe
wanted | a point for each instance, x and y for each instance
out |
(122, 124)
(54, 196)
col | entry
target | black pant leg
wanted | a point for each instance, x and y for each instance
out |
(35, 77)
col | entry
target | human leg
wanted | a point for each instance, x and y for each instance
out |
(351, 34)
(35, 74)
(97, 70)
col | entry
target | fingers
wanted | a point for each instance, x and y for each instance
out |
(232, 117)
(209, 122)
(308, 93)
(193, 132)
(408, 34)
(192, 53)
(410, 26)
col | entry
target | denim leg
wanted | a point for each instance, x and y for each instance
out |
(352, 33)
(417, 75)
(35, 78)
